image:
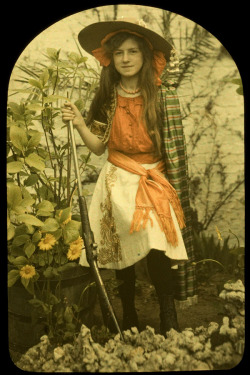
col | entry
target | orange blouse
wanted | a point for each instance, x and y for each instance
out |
(128, 132)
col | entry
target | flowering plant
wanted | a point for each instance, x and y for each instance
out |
(43, 223)
(41, 248)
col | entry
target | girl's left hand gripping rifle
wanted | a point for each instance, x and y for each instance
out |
(90, 245)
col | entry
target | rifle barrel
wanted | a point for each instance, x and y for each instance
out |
(89, 239)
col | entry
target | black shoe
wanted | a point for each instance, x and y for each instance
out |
(168, 315)
(130, 319)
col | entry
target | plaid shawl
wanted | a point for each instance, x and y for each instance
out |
(177, 174)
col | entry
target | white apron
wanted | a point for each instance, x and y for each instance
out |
(110, 214)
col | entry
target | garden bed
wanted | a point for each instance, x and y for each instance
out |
(211, 337)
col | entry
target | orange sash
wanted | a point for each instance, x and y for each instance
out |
(155, 194)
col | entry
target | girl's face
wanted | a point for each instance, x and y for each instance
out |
(128, 58)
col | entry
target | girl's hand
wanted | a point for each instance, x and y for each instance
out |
(71, 112)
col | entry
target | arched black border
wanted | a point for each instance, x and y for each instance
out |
(23, 21)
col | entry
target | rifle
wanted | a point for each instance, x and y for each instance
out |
(90, 245)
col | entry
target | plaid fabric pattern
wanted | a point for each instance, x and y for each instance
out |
(177, 174)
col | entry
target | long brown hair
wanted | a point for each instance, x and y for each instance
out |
(109, 77)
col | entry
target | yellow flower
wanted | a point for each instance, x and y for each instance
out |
(218, 233)
(27, 272)
(67, 220)
(75, 249)
(79, 241)
(47, 242)
(74, 252)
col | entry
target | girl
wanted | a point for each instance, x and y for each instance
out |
(135, 211)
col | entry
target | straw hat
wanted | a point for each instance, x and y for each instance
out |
(91, 36)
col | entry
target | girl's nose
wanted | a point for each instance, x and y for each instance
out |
(125, 56)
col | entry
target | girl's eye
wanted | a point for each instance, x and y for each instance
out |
(117, 53)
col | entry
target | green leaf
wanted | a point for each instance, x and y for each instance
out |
(36, 236)
(19, 210)
(52, 53)
(28, 284)
(18, 137)
(65, 214)
(44, 77)
(67, 267)
(34, 160)
(53, 300)
(21, 229)
(240, 90)
(46, 205)
(48, 273)
(20, 261)
(13, 276)
(34, 140)
(26, 193)
(38, 303)
(93, 167)
(73, 56)
(54, 98)
(35, 83)
(29, 229)
(57, 234)
(43, 213)
(10, 232)
(78, 59)
(31, 180)
(20, 240)
(16, 108)
(74, 224)
(236, 81)
(27, 202)
(71, 231)
(68, 314)
(35, 107)
(14, 167)
(29, 249)
(30, 219)
(50, 225)
(41, 260)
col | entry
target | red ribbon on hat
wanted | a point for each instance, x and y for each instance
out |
(159, 61)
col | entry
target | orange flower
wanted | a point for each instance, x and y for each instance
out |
(218, 233)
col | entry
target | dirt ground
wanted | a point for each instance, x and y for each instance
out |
(209, 308)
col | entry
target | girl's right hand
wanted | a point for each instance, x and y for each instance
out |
(71, 113)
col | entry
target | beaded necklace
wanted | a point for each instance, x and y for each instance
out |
(129, 91)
